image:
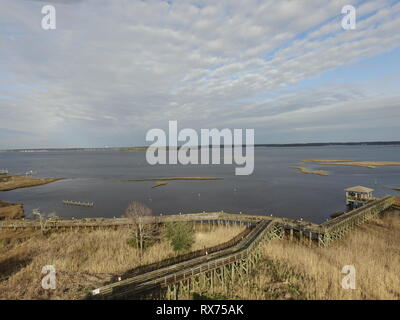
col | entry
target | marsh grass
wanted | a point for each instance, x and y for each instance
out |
(83, 260)
(308, 171)
(159, 184)
(366, 164)
(17, 182)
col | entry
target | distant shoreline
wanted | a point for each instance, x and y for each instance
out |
(144, 148)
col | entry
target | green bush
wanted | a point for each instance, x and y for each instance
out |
(181, 235)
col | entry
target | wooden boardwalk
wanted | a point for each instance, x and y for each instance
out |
(234, 262)
(186, 275)
(231, 261)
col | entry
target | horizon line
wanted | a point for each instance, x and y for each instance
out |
(396, 142)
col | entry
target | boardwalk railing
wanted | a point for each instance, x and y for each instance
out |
(242, 253)
(336, 228)
(184, 257)
(100, 223)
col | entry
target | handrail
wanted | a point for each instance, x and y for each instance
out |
(187, 268)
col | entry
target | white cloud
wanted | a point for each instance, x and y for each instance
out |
(120, 67)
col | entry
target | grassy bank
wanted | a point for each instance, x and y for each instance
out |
(289, 270)
(84, 260)
(16, 182)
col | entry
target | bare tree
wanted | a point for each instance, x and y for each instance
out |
(44, 218)
(142, 223)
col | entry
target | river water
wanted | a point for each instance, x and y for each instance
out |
(273, 188)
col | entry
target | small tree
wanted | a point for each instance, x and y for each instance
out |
(44, 218)
(181, 235)
(142, 224)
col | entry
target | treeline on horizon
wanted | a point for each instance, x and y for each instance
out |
(312, 144)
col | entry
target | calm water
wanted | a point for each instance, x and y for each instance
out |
(274, 188)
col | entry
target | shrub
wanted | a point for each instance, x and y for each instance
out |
(181, 235)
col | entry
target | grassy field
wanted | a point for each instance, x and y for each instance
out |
(290, 270)
(17, 182)
(84, 260)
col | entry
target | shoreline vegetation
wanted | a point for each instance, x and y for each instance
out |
(132, 149)
(366, 164)
(308, 171)
(17, 182)
(144, 148)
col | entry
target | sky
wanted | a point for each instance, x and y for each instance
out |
(113, 70)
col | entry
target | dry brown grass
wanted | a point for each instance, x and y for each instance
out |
(290, 270)
(83, 259)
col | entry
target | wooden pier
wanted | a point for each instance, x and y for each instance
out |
(229, 264)
(78, 203)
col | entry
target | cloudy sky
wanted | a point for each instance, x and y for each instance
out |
(112, 70)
